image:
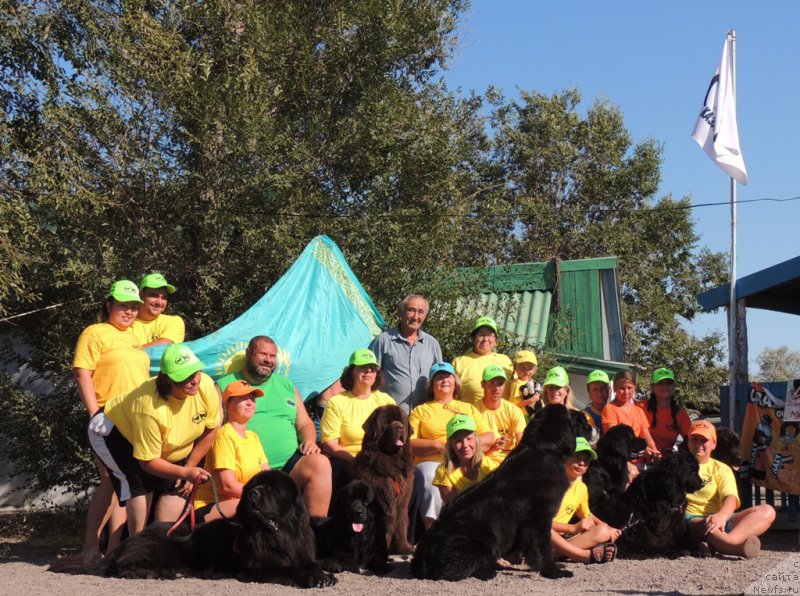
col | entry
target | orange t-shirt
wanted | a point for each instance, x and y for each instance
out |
(666, 430)
(628, 414)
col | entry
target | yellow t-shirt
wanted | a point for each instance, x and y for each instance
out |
(429, 421)
(507, 420)
(165, 428)
(162, 327)
(345, 416)
(719, 483)
(118, 362)
(469, 369)
(456, 479)
(244, 456)
(575, 502)
(512, 391)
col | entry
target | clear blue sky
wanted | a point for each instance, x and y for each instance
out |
(654, 61)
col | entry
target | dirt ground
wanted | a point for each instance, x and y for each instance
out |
(27, 545)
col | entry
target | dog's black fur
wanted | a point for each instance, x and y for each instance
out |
(510, 511)
(385, 464)
(608, 477)
(650, 512)
(354, 538)
(582, 429)
(728, 449)
(270, 541)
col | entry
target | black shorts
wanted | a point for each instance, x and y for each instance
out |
(292, 462)
(128, 477)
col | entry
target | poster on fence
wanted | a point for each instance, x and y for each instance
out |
(769, 437)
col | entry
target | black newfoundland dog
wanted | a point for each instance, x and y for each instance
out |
(385, 464)
(511, 511)
(270, 540)
(354, 538)
(650, 512)
(608, 477)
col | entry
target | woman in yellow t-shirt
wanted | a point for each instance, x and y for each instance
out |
(469, 367)
(429, 434)
(236, 456)
(342, 425)
(464, 464)
(109, 361)
(153, 438)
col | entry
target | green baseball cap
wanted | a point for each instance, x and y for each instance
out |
(582, 444)
(156, 280)
(179, 363)
(598, 376)
(124, 291)
(484, 322)
(362, 357)
(663, 374)
(493, 371)
(460, 422)
(557, 376)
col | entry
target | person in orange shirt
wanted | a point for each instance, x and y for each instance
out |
(623, 411)
(667, 419)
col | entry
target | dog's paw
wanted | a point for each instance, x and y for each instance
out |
(380, 567)
(555, 572)
(485, 573)
(331, 565)
(318, 579)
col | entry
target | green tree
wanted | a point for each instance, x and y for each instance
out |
(778, 364)
(582, 188)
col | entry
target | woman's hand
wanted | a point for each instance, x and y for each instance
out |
(716, 522)
(195, 475)
(587, 523)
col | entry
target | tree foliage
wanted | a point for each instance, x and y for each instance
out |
(212, 140)
(778, 364)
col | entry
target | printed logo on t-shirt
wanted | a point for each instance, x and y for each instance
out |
(291, 403)
(199, 417)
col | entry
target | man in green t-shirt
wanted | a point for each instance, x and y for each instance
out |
(282, 424)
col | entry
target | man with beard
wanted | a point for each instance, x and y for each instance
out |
(282, 424)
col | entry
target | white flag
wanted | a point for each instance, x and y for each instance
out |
(716, 131)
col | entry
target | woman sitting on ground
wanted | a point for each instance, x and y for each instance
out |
(464, 464)
(236, 456)
(710, 511)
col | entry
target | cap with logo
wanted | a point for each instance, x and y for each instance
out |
(441, 367)
(156, 280)
(598, 376)
(460, 422)
(179, 363)
(557, 376)
(124, 291)
(581, 444)
(363, 356)
(240, 388)
(705, 429)
(484, 322)
(494, 371)
(663, 374)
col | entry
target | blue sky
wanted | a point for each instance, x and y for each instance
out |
(654, 61)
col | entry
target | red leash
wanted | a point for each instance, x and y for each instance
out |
(189, 508)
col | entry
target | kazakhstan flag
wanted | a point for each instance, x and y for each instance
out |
(317, 313)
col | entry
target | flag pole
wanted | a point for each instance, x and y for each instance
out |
(732, 314)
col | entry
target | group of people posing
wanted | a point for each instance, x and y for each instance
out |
(156, 438)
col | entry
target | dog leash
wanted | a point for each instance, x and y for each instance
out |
(189, 507)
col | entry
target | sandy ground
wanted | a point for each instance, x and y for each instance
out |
(23, 566)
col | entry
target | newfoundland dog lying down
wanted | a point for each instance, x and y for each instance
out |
(511, 511)
(269, 541)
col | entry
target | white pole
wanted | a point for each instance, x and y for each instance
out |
(732, 315)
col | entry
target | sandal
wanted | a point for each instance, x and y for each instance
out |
(603, 553)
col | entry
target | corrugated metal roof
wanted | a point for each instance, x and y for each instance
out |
(525, 314)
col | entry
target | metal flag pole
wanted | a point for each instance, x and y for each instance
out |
(732, 315)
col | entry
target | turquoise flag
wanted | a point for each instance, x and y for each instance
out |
(317, 313)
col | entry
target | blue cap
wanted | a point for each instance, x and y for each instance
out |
(441, 367)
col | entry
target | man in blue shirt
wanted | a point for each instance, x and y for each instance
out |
(406, 353)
